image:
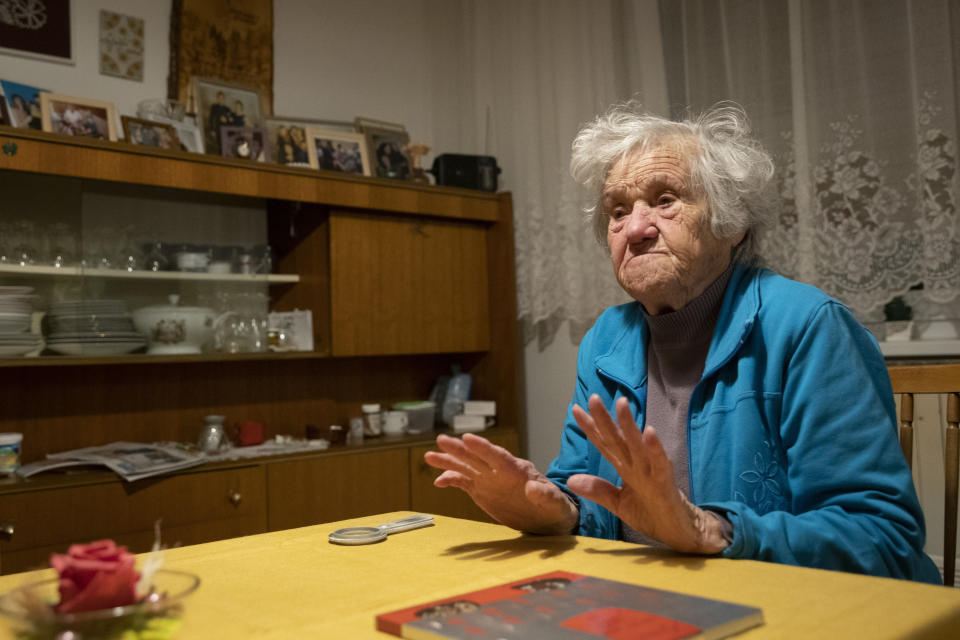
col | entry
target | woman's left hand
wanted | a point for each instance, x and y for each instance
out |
(648, 501)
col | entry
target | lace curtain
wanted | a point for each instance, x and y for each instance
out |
(857, 99)
(525, 76)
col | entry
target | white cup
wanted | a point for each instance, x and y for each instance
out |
(394, 422)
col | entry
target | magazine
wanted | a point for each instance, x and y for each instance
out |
(570, 606)
(130, 460)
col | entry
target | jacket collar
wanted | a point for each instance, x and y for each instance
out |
(626, 360)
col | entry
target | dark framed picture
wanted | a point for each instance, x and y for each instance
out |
(222, 104)
(332, 150)
(84, 117)
(187, 132)
(23, 104)
(39, 29)
(386, 143)
(149, 134)
(247, 143)
(4, 114)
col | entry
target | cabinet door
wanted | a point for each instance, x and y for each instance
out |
(407, 285)
(335, 487)
(449, 501)
(192, 508)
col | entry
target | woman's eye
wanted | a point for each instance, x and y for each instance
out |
(617, 214)
(665, 201)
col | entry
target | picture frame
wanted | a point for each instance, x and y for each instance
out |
(224, 104)
(40, 30)
(188, 133)
(72, 116)
(22, 102)
(4, 114)
(148, 133)
(385, 142)
(245, 143)
(333, 150)
(288, 138)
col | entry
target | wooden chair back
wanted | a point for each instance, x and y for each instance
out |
(907, 381)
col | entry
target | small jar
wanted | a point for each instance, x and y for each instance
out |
(371, 420)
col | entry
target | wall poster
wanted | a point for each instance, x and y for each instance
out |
(37, 29)
(228, 40)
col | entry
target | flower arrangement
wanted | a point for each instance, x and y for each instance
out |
(99, 595)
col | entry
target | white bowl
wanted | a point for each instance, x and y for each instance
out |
(172, 329)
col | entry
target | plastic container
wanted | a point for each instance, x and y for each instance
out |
(458, 392)
(420, 415)
(10, 452)
(371, 420)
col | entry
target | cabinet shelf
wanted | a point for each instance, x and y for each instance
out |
(142, 358)
(119, 274)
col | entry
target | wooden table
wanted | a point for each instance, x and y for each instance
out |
(295, 584)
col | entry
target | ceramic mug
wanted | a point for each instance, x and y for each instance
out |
(394, 422)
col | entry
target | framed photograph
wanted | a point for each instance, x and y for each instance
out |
(333, 150)
(40, 29)
(288, 138)
(222, 104)
(4, 114)
(187, 132)
(247, 143)
(385, 146)
(84, 117)
(149, 133)
(23, 104)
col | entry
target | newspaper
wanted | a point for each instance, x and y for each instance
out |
(130, 460)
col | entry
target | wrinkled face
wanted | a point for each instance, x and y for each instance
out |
(664, 254)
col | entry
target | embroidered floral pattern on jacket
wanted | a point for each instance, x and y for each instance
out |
(763, 489)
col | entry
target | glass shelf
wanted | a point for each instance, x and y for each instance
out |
(272, 278)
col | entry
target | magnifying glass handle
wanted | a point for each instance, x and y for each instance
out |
(405, 524)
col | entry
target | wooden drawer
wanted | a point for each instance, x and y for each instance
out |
(449, 501)
(193, 508)
(335, 487)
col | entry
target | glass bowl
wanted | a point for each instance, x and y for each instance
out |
(27, 613)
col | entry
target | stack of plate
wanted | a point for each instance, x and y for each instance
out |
(91, 328)
(16, 308)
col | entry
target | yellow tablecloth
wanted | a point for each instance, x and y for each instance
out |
(295, 584)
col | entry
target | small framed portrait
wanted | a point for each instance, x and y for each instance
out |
(223, 104)
(288, 138)
(83, 117)
(385, 143)
(149, 133)
(4, 114)
(333, 150)
(188, 133)
(246, 143)
(23, 105)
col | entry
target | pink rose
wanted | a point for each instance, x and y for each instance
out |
(95, 576)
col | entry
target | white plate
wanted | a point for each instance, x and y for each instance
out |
(96, 335)
(7, 350)
(15, 291)
(95, 348)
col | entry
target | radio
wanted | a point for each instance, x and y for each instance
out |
(469, 172)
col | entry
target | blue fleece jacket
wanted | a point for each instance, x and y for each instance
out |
(791, 431)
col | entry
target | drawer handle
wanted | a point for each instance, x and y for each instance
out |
(235, 498)
(10, 149)
(6, 530)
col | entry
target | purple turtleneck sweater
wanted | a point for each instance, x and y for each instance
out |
(676, 353)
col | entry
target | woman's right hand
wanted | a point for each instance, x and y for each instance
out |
(509, 489)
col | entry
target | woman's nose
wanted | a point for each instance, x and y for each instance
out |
(640, 223)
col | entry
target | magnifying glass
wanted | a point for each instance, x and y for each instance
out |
(369, 535)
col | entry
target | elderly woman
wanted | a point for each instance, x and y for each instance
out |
(727, 410)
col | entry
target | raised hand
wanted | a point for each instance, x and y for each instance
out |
(648, 501)
(509, 489)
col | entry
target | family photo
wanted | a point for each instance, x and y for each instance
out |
(23, 104)
(77, 116)
(338, 151)
(224, 105)
(149, 134)
(247, 143)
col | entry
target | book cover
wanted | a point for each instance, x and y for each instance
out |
(570, 606)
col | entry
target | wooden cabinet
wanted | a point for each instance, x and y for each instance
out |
(191, 507)
(335, 487)
(449, 501)
(404, 282)
(407, 285)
